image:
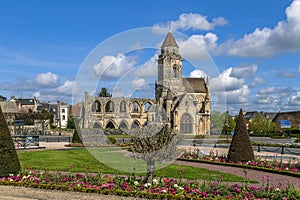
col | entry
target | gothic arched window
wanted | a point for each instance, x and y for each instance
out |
(135, 107)
(147, 106)
(135, 124)
(175, 71)
(109, 107)
(123, 125)
(96, 107)
(186, 124)
(122, 106)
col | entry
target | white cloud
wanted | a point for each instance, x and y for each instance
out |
(197, 73)
(258, 81)
(233, 89)
(47, 79)
(299, 68)
(265, 42)
(66, 88)
(139, 84)
(293, 101)
(269, 100)
(238, 96)
(113, 66)
(244, 71)
(37, 95)
(225, 81)
(282, 92)
(194, 21)
(286, 74)
(148, 69)
(198, 46)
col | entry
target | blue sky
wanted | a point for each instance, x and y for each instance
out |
(254, 44)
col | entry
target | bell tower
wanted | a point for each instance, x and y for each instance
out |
(169, 68)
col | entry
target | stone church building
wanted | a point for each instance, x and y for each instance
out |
(182, 103)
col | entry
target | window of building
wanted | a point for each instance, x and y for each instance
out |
(135, 107)
(63, 117)
(109, 107)
(96, 107)
(186, 124)
(63, 110)
(123, 106)
(147, 106)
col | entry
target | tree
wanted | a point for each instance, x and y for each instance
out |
(240, 148)
(259, 125)
(44, 117)
(153, 143)
(231, 123)
(104, 93)
(76, 138)
(29, 117)
(71, 123)
(9, 161)
(217, 121)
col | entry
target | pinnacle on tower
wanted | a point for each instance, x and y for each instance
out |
(169, 41)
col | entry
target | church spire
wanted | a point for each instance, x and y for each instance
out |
(169, 41)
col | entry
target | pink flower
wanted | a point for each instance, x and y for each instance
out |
(204, 194)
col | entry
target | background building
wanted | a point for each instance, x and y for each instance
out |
(182, 103)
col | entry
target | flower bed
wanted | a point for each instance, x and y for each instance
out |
(290, 168)
(163, 188)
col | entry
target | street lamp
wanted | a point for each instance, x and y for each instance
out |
(226, 124)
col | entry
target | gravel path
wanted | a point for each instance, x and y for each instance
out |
(24, 193)
(260, 176)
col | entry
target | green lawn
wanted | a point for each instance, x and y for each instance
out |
(79, 158)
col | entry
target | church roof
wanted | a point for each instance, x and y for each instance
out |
(194, 85)
(169, 41)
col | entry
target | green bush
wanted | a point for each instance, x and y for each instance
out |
(76, 138)
(9, 161)
(112, 139)
(240, 148)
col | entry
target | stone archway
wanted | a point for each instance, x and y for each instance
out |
(97, 125)
(110, 125)
(96, 106)
(123, 125)
(135, 124)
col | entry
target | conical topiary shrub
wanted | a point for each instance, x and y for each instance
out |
(9, 161)
(76, 138)
(240, 147)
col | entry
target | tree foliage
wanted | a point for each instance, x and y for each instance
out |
(104, 93)
(76, 138)
(9, 161)
(240, 148)
(259, 125)
(217, 122)
(44, 117)
(153, 143)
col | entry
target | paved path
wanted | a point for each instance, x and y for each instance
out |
(24, 193)
(274, 179)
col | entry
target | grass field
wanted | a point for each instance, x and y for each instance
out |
(80, 158)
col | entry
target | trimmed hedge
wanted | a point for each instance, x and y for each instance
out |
(240, 147)
(9, 161)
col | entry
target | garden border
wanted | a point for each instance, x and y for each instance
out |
(288, 173)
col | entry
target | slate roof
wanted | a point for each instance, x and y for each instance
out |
(194, 85)
(26, 101)
(169, 41)
(293, 116)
